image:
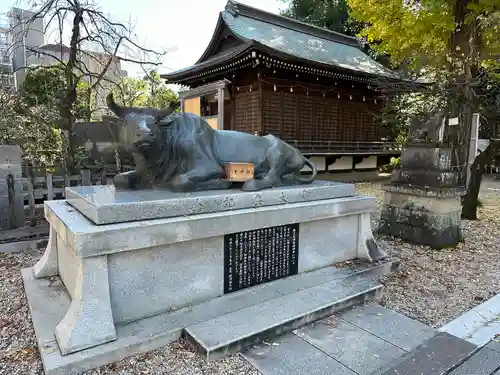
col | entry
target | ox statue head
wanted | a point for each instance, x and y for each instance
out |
(139, 126)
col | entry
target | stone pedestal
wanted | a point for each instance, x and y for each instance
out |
(422, 203)
(125, 256)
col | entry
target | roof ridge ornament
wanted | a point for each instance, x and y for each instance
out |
(232, 8)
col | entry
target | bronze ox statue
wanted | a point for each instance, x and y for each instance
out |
(181, 152)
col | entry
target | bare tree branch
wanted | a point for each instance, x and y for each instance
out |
(96, 47)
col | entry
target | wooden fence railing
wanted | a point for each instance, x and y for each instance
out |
(345, 147)
(40, 184)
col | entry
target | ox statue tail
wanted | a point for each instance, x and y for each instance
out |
(310, 178)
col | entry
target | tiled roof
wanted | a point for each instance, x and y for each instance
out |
(288, 38)
(303, 45)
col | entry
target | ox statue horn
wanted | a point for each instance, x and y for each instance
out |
(122, 111)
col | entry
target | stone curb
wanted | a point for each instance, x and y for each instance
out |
(478, 325)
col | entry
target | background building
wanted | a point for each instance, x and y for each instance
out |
(18, 39)
(6, 73)
(23, 45)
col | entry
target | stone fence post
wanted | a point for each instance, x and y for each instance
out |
(11, 188)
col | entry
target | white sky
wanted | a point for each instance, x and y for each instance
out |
(184, 26)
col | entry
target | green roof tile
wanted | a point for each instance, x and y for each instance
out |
(303, 45)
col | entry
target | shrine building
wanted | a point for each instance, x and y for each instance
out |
(314, 88)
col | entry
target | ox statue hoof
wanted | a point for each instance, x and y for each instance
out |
(122, 181)
(255, 185)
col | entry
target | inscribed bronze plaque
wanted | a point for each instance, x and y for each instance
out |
(258, 256)
(239, 172)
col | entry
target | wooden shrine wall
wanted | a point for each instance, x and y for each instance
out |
(192, 105)
(302, 115)
(247, 111)
(308, 117)
(212, 121)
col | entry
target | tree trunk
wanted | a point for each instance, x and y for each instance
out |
(68, 151)
(464, 47)
(69, 99)
(470, 201)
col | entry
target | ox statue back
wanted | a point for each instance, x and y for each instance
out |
(181, 152)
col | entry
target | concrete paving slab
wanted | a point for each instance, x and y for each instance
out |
(436, 356)
(494, 345)
(389, 325)
(484, 362)
(357, 349)
(290, 355)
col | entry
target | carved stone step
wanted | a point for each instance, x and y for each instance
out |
(227, 334)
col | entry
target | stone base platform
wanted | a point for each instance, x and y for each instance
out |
(150, 264)
(105, 205)
(49, 302)
(422, 215)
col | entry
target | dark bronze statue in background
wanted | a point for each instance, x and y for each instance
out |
(181, 152)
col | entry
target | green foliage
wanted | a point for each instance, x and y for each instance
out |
(46, 86)
(160, 96)
(132, 92)
(85, 101)
(19, 125)
(419, 32)
(35, 121)
(149, 91)
(31, 118)
(329, 14)
(490, 101)
(401, 109)
(395, 162)
(81, 157)
(452, 41)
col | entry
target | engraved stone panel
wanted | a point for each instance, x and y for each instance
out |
(106, 205)
(259, 256)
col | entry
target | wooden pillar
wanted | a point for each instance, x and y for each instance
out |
(261, 109)
(220, 108)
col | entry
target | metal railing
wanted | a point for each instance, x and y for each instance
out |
(345, 147)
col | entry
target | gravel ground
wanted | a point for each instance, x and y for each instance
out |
(435, 287)
(430, 286)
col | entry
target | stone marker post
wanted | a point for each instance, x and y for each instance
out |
(11, 203)
(473, 144)
(423, 201)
